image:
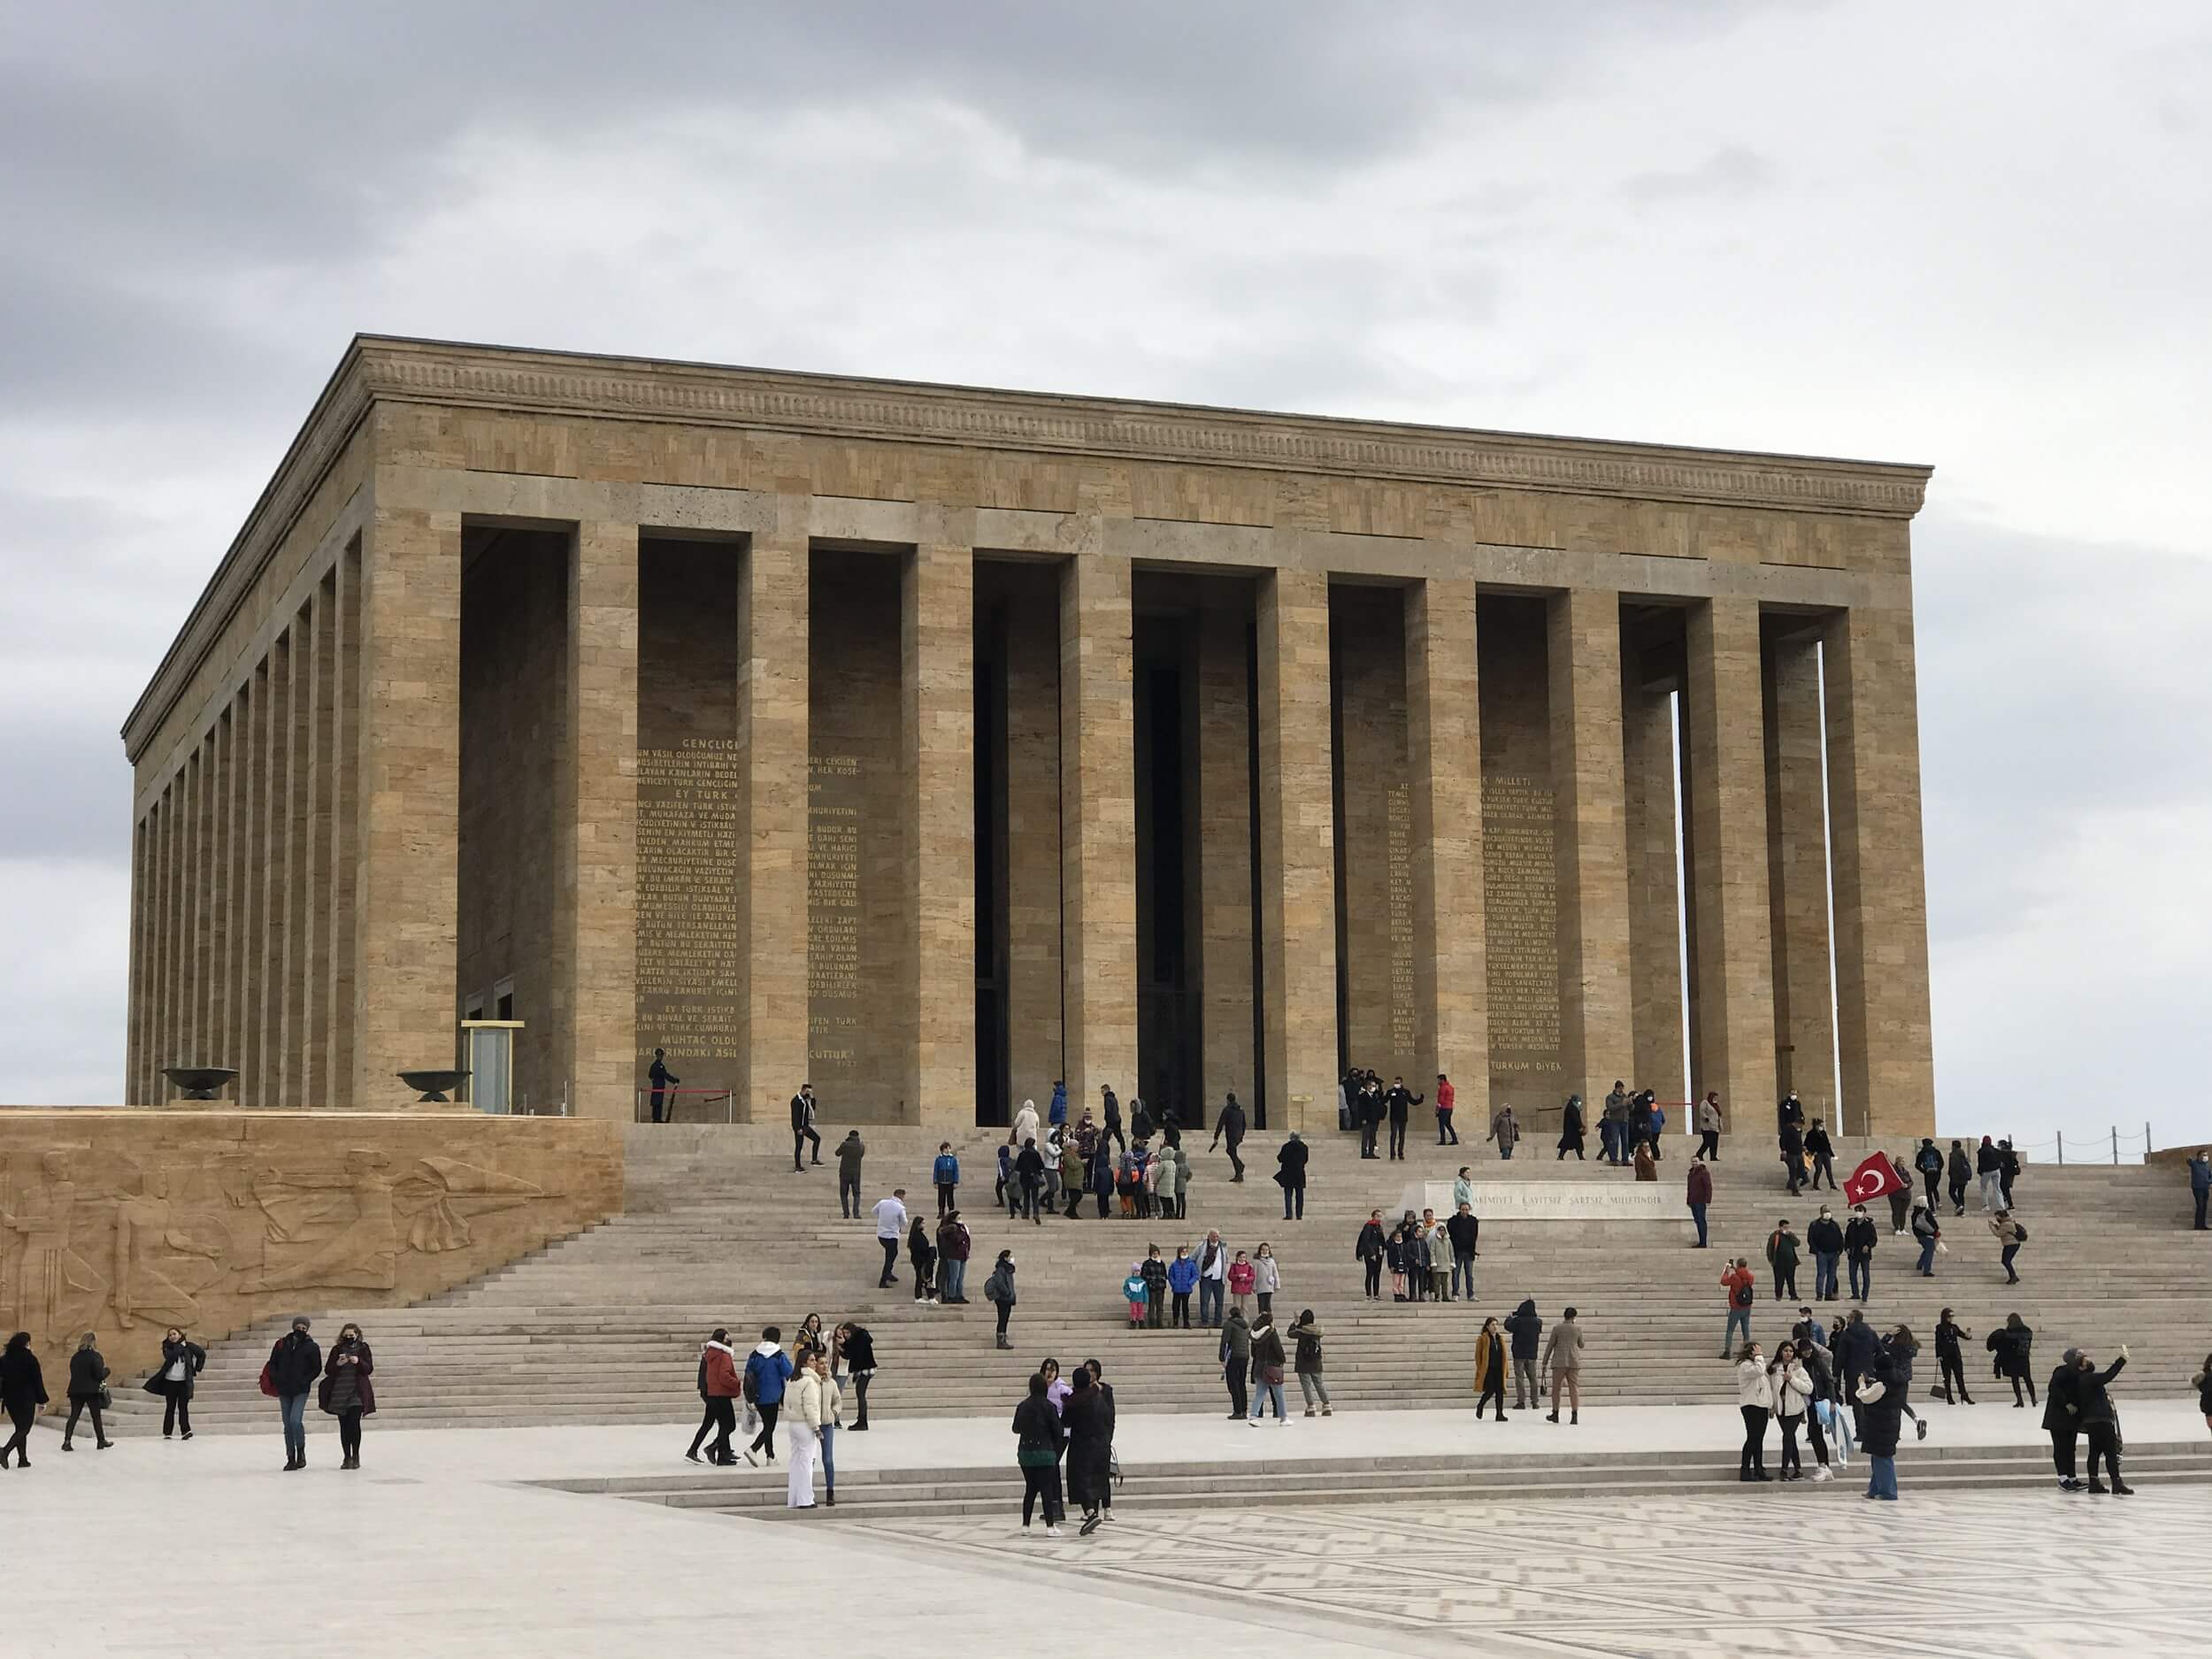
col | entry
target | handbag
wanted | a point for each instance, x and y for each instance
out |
(107, 1399)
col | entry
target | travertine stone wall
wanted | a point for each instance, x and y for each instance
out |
(772, 725)
(125, 1222)
(1223, 815)
(937, 817)
(1653, 896)
(1374, 835)
(1444, 768)
(1098, 811)
(1033, 838)
(1520, 866)
(337, 1078)
(1797, 869)
(1733, 991)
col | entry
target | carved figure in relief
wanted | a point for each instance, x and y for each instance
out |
(146, 1231)
(363, 1251)
(59, 1289)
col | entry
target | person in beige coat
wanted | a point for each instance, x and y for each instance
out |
(1562, 1359)
(812, 1417)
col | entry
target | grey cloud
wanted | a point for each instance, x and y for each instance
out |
(1733, 170)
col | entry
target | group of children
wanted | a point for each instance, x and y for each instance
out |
(1158, 1290)
(1149, 1183)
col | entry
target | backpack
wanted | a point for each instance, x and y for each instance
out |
(1740, 1297)
(2020, 1233)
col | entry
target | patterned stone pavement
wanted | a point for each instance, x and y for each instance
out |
(1998, 1575)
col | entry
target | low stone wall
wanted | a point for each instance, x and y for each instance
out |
(127, 1222)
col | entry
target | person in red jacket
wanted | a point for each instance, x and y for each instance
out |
(1737, 1281)
(721, 1383)
(1700, 1195)
(1445, 1096)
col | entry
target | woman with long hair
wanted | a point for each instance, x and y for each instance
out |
(1056, 1386)
(2202, 1383)
(181, 1362)
(22, 1391)
(1755, 1398)
(1039, 1441)
(856, 1352)
(87, 1384)
(1792, 1386)
(2013, 1345)
(1490, 1368)
(346, 1392)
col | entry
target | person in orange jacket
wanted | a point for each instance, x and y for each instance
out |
(1738, 1282)
(1447, 1096)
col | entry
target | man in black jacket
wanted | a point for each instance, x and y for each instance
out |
(1110, 1109)
(1860, 1236)
(2062, 1416)
(1793, 1140)
(1463, 1229)
(1229, 1125)
(1824, 1239)
(1290, 1175)
(295, 1364)
(1929, 1162)
(2098, 1421)
(1855, 1358)
(803, 1125)
(1400, 1102)
(1526, 1327)
(1369, 1250)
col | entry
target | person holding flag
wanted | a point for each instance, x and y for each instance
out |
(1875, 1177)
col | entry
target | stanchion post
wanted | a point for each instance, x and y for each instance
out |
(2116, 1143)
(2062, 1149)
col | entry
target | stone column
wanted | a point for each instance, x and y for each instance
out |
(937, 717)
(1036, 1050)
(1444, 749)
(323, 765)
(135, 1017)
(1728, 810)
(345, 818)
(223, 748)
(300, 853)
(1590, 835)
(1297, 852)
(1881, 941)
(1797, 874)
(1224, 861)
(772, 725)
(406, 917)
(276, 798)
(595, 987)
(1098, 829)
(1655, 942)
(192, 1018)
(253, 896)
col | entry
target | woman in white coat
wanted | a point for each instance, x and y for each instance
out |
(1755, 1394)
(1791, 1386)
(813, 1404)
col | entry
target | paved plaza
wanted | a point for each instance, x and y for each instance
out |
(446, 1544)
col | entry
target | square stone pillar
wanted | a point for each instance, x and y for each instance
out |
(1224, 816)
(1734, 1018)
(937, 717)
(1444, 751)
(302, 844)
(772, 725)
(1797, 874)
(1881, 902)
(222, 747)
(406, 917)
(274, 830)
(1655, 943)
(134, 1018)
(1098, 830)
(1590, 838)
(594, 995)
(1297, 852)
(253, 912)
(345, 820)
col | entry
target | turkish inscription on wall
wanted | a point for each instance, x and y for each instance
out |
(690, 971)
(1522, 920)
(833, 913)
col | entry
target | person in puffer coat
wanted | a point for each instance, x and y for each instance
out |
(1305, 1334)
(1182, 1278)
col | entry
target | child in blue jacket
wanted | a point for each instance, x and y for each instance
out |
(1182, 1278)
(1132, 1292)
(946, 1173)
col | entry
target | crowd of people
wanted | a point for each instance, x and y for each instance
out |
(813, 1378)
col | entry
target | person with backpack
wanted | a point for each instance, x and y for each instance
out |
(1305, 1334)
(2010, 1236)
(1929, 1162)
(1929, 1235)
(1959, 1176)
(294, 1370)
(767, 1370)
(998, 1290)
(946, 1173)
(1737, 1283)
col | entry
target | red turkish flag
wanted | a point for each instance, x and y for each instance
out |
(1872, 1180)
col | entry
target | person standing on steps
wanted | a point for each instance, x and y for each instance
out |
(1613, 1124)
(923, 1256)
(1562, 1362)
(1823, 1153)
(1525, 1326)
(1399, 1103)
(1267, 1277)
(1109, 1111)
(1213, 1274)
(1754, 1399)
(1090, 1448)
(2010, 1236)
(804, 1110)
(1505, 1130)
(87, 1385)
(1236, 1361)
(1701, 1194)
(1463, 1193)
(1370, 1248)
(855, 1349)
(998, 1290)
(718, 1388)
(346, 1392)
(660, 1077)
(1928, 1234)
(1074, 1175)
(1570, 1129)
(1782, 1257)
(954, 1242)
(1792, 1386)
(1951, 1361)
(890, 1232)
(1290, 1175)
(1305, 1335)
(1029, 1171)
(1024, 1129)
(1736, 1284)
(1639, 1121)
(1790, 1114)
(1152, 1274)
(1709, 1126)
(2007, 1170)
(2061, 1417)
(945, 1173)
(1460, 1232)
(1792, 1153)
(1039, 1437)
(1447, 1101)
(1490, 1363)
(2099, 1422)
(1959, 1175)
(767, 1370)
(1860, 1236)
(2201, 1184)
(294, 1367)
(1182, 1278)
(1229, 1127)
(183, 1359)
(1929, 1162)
(850, 1151)
(1824, 1239)
(2013, 1344)
(1267, 1370)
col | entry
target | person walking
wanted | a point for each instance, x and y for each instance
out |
(1989, 1170)
(1928, 1234)
(1900, 1197)
(2010, 1236)
(2200, 1184)
(1057, 1111)
(890, 1231)
(294, 1369)
(1754, 1399)
(1782, 1257)
(1824, 1239)
(1090, 1448)
(803, 1108)
(856, 1349)
(1950, 1338)
(1929, 1162)
(661, 1078)
(850, 1151)
(1700, 1195)
(1709, 1126)
(1290, 1175)
(2099, 1422)
(1959, 1175)
(1025, 1126)
(1525, 1326)
(1563, 1361)
(1640, 1129)
(1490, 1364)
(1505, 1130)
(998, 1290)
(1305, 1334)
(1229, 1127)
(1182, 1278)
(1039, 1437)
(921, 1254)
(22, 1391)
(2013, 1346)
(346, 1392)
(1267, 1370)
(767, 1372)
(1459, 1232)
(1213, 1274)
(183, 1359)
(2202, 1383)
(720, 1386)
(1236, 1361)
(1792, 1153)
(1029, 1171)
(1792, 1386)
(1447, 1101)
(954, 1243)
(810, 1415)
(1736, 1283)
(1109, 1113)
(1823, 1153)
(87, 1392)
(2007, 1169)
(1572, 1135)
(1860, 1236)
(945, 1172)
(1370, 1248)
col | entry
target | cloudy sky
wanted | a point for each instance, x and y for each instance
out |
(1975, 236)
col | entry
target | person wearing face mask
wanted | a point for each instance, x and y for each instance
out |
(1860, 1236)
(346, 1392)
(294, 1363)
(181, 1362)
(1824, 1239)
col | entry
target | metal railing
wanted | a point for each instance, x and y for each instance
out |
(641, 1108)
